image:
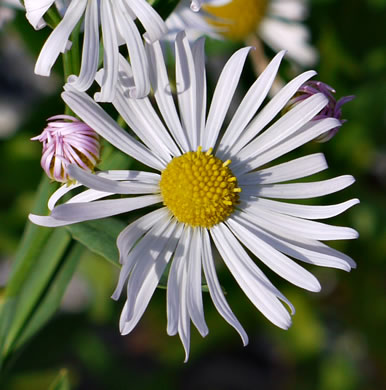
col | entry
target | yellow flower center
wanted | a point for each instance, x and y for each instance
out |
(199, 189)
(240, 18)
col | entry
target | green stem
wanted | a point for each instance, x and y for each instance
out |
(52, 17)
(76, 49)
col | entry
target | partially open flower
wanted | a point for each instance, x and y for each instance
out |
(67, 140)
(331, 110)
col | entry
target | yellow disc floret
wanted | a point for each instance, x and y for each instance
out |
(199, 189)
(237, 19)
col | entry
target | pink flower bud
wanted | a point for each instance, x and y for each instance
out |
(331, 110)
(67, 140)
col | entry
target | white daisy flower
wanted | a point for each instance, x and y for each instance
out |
(212, 187)
(117, 21)
(277, 22)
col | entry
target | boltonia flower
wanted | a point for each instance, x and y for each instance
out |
(214, 190)
(117, 21)
(277, 22)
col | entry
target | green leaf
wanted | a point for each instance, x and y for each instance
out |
(99, 236)
(33, 238)
(21, 301)
(61, 382)
(50, 301)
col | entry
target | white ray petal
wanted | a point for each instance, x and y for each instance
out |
(142, 176)
(57, 41)
(88, 196)
(143, 233)
(222, 96)
(194, 25)
(152, 278)
(133, 232)
(308, 251)
(300, 210)
(293, 37)
(196, 5)
(299, 190)
(147, 272)
(175, 276)
(251, 280)
(122, 318)
(186, 88)
(250, 104)
(275, 260)
(136, 49)
(140, 115)
(307, 133)
(110, 52)
(194, 292)
(77, 212)
(90, 50)
(273, 107)
(102, 184)
(283, 128)
(215, 290)
(183, 314)
(289, 9)
(275, 222)
(35, 9)
(64, 189)
(163, 95)
(198, 51)
(154, 25)
(92, 114)
(48, 221)
(291, 170)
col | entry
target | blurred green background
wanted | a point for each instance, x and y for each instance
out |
(337, 340)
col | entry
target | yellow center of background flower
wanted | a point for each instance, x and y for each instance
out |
(241, 17)
(199, 189)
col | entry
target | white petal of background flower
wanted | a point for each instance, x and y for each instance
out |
(116, 19)
(57, 42)
(36, 10)
(90, 50)
(281, 27)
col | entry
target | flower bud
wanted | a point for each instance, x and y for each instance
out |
(67, 140)
(331, 110)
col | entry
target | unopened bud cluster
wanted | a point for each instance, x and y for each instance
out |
(66, 140)
(333, 109)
